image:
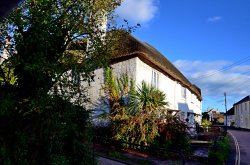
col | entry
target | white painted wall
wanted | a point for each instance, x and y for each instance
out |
(230, 120)
(95, 89)
(143, 72)
(171, 88)
(139, 71)
(242, 115)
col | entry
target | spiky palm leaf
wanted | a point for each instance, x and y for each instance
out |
(147, 98)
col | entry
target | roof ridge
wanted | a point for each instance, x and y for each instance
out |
(130, 45)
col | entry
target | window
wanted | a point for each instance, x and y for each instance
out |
(193, 98)
(155, 79)
(249, 107)
(245, 107)
(183, 92)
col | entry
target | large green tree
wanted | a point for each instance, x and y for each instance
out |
(52, 46)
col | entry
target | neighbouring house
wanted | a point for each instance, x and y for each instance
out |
(215, 116)
(211, 113)
(229, 118)
(143, 62)
(242, 113)
(218, 118)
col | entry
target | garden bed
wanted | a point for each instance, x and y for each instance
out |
(132, 156)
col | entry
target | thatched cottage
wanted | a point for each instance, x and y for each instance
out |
(143, 62)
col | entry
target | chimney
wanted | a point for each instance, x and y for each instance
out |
(99, 24)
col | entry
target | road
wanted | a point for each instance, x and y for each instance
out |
(106, 161)
(243, 138)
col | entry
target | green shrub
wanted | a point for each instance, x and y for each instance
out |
(219, 150)
(58, 134)
(173, 134)
(205, 124)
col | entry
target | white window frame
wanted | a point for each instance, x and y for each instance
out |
(155, 78)
(192, 98)
(249, 107)
(183, 92)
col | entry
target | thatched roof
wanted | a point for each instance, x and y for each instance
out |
(130, 47)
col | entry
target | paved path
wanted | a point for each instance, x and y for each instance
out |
(105, 161)
(243, 138)
(232, 158)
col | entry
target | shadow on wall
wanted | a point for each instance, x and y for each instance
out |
(183, 107)
(188, 116)
(187, 111)
(100, 112)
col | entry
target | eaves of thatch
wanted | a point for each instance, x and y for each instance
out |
(130, 47)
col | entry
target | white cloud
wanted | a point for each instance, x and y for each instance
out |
(216, 77)
(193, 65)
(215, 19)
(139, 11)
(242, 68)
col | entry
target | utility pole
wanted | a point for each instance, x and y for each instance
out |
(225, 94)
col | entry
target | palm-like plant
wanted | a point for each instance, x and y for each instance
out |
(137, 121)
(147, 99)
(145, 105)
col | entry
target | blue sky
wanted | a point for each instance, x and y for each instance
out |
(207, 40)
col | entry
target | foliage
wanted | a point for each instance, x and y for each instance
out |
(8, 75)
(147, 99)
(115, 97)
(205, 115)
(143, 118)
(206, 123)
(53, 132)
(54, 47)
(219, 151)
(145, 108)
(139, 115)
(173, 133)
(134, 120)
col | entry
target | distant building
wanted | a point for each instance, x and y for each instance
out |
(215, 116)
(230, 117)
(242, 113)
(218, 118)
